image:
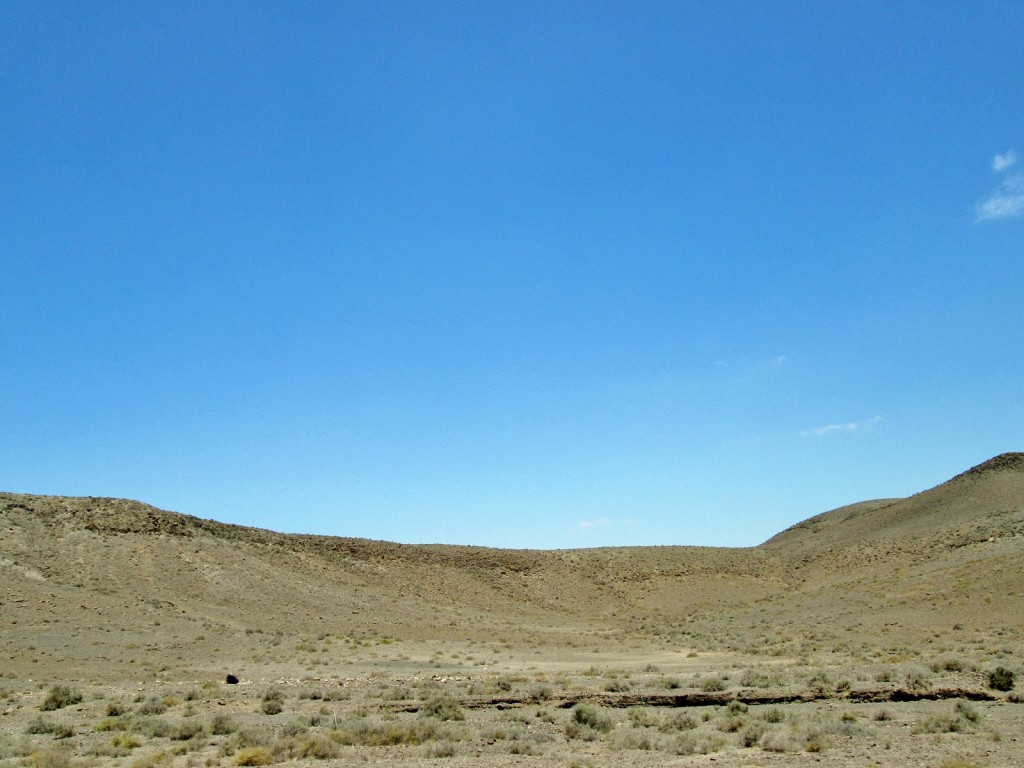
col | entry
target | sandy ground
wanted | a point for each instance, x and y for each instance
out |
(424, 703)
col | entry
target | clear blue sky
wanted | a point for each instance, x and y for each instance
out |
(510, 274)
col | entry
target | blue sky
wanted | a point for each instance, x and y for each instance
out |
(509, 274)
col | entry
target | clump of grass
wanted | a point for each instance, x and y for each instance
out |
(58, 697)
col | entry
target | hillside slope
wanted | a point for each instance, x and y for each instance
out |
(88, 581)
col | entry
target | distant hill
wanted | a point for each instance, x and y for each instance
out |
(119, 573)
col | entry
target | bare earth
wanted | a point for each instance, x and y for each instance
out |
(883, 633)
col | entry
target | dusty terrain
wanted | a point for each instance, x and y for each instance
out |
(881, 633)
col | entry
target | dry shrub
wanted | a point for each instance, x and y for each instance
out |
(712, 684)
(443, 707)
(439, 749)
(678, 721)
(58, 697)
(253, 756)
(50, 758)
(587, 723)
(152, 706)
(222, 725)
(377, 733)
(698, 743)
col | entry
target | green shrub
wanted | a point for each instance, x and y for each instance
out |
(1001, 679)
(273, 702)
(58, 697)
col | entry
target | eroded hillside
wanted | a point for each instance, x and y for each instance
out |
(90, 581)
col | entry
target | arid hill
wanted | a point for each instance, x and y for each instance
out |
(89, 581)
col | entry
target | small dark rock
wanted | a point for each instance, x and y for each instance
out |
(232, 680)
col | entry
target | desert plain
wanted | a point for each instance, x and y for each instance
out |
(886, 633)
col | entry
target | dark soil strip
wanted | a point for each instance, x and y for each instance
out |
(933, 695)
(682, 700)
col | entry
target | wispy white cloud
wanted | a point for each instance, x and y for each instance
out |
(848, 426)
(600, 522)
(1007, 201)
(772, 363)
(1001, 162)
